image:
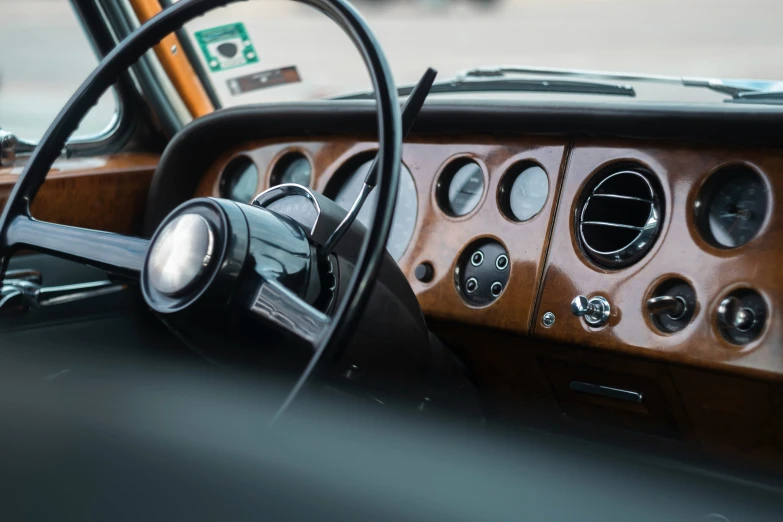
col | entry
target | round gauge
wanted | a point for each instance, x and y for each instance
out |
(460, 187)
(239, 181)
(523, 192)
(404, 214)
(732, 207)
(292, 168)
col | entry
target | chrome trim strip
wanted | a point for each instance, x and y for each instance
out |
(272, 194)
(606, 391)
(77, 292)
(615, 225)
(280, 306)
(620, 196)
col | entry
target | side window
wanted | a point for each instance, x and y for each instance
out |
(46, 56)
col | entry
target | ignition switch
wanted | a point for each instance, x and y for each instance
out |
(741, 316)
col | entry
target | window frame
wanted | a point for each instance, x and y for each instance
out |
(118, 130)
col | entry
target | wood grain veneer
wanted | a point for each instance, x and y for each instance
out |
(438, 238)
(105, 192)
(680, 251)
(693, 381)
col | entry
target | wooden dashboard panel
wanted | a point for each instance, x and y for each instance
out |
(679, 251)
(103, 192)
(438, 238)
(701, 391)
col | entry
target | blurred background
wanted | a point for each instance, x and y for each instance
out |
(46, 56)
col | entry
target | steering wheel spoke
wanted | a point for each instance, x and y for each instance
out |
(280, 307)
(115, 253)
(199, 260)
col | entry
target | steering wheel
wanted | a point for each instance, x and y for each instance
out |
(209, 251)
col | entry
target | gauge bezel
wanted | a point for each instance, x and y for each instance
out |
(284, 160)
(226, 175)
(277, 192)
(446, 175)
(754, 335)
(646, 239)
(507, 181)
(706, 194)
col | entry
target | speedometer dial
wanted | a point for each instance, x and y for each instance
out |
(404, 215)
(732, 207)
(460, 187)
(294, 167)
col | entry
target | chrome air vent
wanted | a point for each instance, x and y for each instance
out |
(619, 218)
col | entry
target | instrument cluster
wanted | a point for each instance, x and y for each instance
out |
(664, 251)
(732, 207)
(346, 185)
(650, 246)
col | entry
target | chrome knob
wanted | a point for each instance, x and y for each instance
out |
(674, 307)
(732, 315)
(595, 310)
(580, 306)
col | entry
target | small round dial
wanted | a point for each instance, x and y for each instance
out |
(239, 181)
(524, 191)
(733, 207)
(292, 168)
(460, 187)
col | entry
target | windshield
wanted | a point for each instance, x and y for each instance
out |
(278, 50)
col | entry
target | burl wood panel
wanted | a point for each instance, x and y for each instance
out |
(733, 415)
(679, 251)
(728, 416)
(528, 379)
(105, 193)
(438, 238)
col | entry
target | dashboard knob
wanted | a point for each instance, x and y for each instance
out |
(674, 307)
(580, 306)
(595, 310)
(732, 315)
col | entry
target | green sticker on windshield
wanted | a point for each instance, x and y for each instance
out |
(226, 47)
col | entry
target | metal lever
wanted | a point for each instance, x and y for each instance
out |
(19, 295)
(606, 391)
(675, 307)
(732, 315)
(8, 144)
(24, 274)
(410, 111)
(20, 289)
(595, 310)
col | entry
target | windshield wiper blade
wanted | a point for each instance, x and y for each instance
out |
(512, 85)
(768, 97)
(732, 89)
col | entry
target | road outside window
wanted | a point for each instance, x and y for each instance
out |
(46, 56)
(280, 50)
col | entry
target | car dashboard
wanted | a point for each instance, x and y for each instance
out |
(607, 266)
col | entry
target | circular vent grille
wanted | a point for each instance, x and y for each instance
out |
(620, 219)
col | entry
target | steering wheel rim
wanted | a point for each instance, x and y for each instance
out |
(19, 230)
